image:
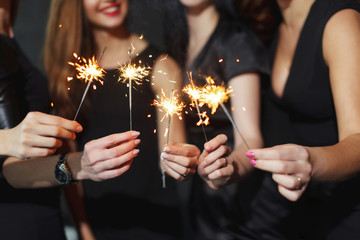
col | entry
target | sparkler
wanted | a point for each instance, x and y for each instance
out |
(213, 96)
(195, 94)
(89, 71)
(132, 73)
(170, 106)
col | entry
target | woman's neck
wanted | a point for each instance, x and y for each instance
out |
(202, 22)
(294, 12)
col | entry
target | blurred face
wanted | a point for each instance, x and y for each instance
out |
(196, 3)
(106, 13)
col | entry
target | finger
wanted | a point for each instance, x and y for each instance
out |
(113, 139)
(47, 119)
(171, 172)
(54, 131)
(278, 166)
(36, 152)
(281, 152)
(109, 174)
(225, 172)
(221, 151)
(181, 160)
(187, 150)
(215, 142)
(219, 163)
(119, 150)
(40, 141)
(292, 195)
(290, 182)
(114, 163)
(183, 171)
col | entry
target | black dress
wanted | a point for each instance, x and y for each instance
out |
(24, 214)
(306, 115)
(134, 205)
(230, 51)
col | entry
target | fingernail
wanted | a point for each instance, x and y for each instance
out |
(136, 151)
(164, 155)
(79, 128)
(135, 134)
(253, 162)
(250, 154)
(137, 141)
(166, 149)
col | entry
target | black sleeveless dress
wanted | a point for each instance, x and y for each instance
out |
(134, 205)
(230, 51)
(305, 115)
(25, 214)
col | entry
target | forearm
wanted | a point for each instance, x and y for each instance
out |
(4, 146)
(37, 172)
(338, 162)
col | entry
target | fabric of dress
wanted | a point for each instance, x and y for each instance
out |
(305, 115)
(24, 214)
(134, 205)
(230, 51)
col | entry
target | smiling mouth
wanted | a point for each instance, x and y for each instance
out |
(112, 11)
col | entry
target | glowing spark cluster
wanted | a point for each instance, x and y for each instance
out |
(88, 69)
(213, 95)
(131, 72)
(170, 106)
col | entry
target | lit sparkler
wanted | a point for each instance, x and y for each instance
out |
(132, 73)
(88, 71)
(195, 94)
(170, 106)
(213, 96)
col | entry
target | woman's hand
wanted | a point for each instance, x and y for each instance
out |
(290, 167)
(180, 160)
(39, 135)
(108, 157)
(215, 165)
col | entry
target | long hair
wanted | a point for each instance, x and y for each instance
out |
(67, 32)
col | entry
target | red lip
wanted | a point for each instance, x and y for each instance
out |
(110, 6)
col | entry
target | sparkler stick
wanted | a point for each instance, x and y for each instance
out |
(197, 105)
(90, 73)
(132, 73)
(170, 106)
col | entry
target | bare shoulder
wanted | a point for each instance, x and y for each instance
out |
(342, 33)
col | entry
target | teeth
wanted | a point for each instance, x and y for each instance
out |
(111, 9)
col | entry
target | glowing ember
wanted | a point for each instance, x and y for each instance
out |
(170, 106)
(87, 69)
(131, 72)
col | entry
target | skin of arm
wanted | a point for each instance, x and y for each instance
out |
(102, 159)
(179, 159)
(38, 135)
(245, 102)
(293, 164)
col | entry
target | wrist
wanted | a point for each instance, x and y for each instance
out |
(5, 143)
(63, 172)
(74, 162)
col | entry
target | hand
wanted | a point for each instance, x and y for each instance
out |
(40, 134)
(108, 157)
(290, 167)
(180, 160)
(215, 165)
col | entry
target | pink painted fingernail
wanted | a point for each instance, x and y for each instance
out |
(136, 151)
(253, 162)
(250, 154)
(137, 141)
(135, 133)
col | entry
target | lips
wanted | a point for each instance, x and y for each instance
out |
(111, 9)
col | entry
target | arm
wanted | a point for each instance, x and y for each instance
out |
(245, 102)
(102, 159)
(179, 159)
(38, 135)
(293, 166)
